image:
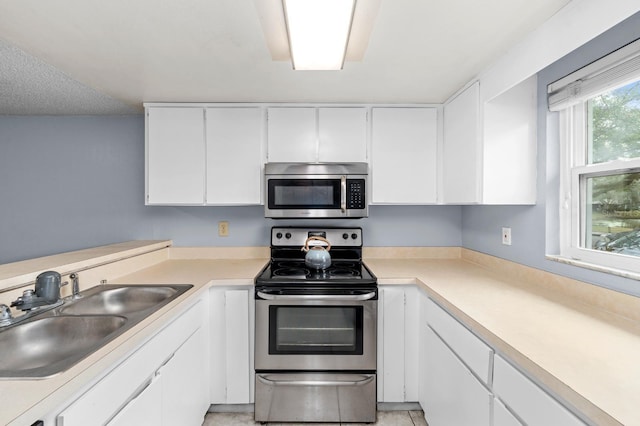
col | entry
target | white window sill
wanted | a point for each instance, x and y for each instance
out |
(594, 267)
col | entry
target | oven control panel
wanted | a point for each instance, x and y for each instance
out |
(338, 237)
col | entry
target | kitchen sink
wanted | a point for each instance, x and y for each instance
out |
(48, 345)
(53, 341)
(122, 300)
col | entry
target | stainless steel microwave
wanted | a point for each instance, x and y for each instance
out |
(316, 190)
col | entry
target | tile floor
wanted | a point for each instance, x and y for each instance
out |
(385, 418)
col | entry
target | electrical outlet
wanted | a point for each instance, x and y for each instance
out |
(223, 228)
(506, 236)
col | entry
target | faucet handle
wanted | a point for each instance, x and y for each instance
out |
(5, 314)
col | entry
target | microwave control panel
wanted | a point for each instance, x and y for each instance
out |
(356, 196)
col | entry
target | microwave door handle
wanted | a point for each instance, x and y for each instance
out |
(343, 194)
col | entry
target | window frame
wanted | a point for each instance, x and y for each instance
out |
(574, 172)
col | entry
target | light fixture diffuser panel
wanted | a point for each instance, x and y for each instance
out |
(318, 32)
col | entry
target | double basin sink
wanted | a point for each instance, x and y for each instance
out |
(55, 340)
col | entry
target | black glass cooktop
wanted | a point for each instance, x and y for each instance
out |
(296, 273)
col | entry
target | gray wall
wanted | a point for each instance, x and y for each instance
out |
(73, 182)
(535, 228)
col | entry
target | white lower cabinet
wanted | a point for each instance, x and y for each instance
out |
(173, 395)
(453, 395)
(143, 408)
(184, 388)
(476, 355)
(532, 404)
(143, 389)
(397, 343)
(502, 416)
(232, 345)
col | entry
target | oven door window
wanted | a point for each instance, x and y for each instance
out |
(315, 330)
(304, 193)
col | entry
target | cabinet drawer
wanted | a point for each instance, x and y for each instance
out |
(473, 351)
(530, 402)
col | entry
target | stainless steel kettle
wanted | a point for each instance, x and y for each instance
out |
(317, 256)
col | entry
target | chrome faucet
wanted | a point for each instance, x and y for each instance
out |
(75, 286)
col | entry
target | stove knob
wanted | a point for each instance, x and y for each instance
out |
(287, 235)
(354, 236)
(345, 236)
(279, 235)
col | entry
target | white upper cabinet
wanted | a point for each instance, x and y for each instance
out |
(510, 146)
(234, 155)
(489, 148)
(404, 155)
(198, 156)
(461, 150)
(175, 149)
(342, 134)
(309, 134)
(291, 135)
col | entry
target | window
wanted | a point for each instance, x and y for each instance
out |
(599, 109)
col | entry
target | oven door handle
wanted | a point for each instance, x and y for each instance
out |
(343, 194)
(315, 382)
(306, 297)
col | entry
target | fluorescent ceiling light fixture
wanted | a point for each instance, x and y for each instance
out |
(318, 32)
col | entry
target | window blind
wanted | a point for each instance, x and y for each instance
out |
(614, 70)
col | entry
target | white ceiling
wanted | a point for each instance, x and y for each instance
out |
(107, 57)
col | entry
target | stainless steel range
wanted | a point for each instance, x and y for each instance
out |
(315, 345)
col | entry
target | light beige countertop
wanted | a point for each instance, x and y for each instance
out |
(578, 345)
(582, 342)
(22, 402)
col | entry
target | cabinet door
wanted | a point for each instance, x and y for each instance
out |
(143, 409)
(175, 151)
(403, 158)
(231, 351)
(184, 392)
(502, 416)
(391, 355)
(234, 155)
(462, 148)
(532, 404)
(423, 349)
(342, 134)
(510, 146)
(453, 395)
(398, 336)
(292, 134)
(106, 398)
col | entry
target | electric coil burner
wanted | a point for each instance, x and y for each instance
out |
(315, 339)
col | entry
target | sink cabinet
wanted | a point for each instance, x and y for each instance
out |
(161, 382)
